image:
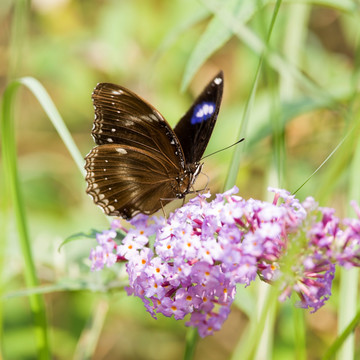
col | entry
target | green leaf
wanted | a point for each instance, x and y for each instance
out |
(80, 236)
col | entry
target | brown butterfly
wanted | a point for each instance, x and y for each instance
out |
(141, 163)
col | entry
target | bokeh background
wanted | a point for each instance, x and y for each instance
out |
(167, 51)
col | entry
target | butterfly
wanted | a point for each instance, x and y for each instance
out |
(141, 163)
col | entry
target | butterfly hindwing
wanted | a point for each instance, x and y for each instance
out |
(195, 127)
(124, 180)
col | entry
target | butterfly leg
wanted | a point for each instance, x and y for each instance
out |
(166, 200)
(162, 208)
(201, 190)
(207, 182)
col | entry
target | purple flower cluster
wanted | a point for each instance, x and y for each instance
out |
(191, 262)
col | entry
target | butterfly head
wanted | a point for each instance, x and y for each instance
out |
(197, 167)
(186, 179)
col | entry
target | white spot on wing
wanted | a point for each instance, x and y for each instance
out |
(218, 81)
(121, 151)
(202, 112)
(117, 92)
(158, 114)
(128, 123)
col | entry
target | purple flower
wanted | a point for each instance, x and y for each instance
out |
(100, 256)
(191, 262)
(315, 288)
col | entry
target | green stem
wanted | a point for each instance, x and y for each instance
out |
(191, 341)
(246, 349)
(299, 334)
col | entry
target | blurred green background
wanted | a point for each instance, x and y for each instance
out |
(305, 103)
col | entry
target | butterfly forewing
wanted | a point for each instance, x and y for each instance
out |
(195, 127)
(122, 117)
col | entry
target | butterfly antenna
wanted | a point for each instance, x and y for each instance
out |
(235, 143)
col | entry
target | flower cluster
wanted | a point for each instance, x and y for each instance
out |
(191, 262)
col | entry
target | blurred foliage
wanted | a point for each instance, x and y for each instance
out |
(154, 47)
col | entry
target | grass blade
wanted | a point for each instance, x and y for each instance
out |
(330, 353)
(12, 187)
(12, 184)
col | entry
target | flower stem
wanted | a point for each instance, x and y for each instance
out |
(191, 341)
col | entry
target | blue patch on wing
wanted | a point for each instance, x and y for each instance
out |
(202, 112)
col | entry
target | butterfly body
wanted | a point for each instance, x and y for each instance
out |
(141, 163)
